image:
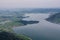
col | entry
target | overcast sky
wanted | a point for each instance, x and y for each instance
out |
(29, 3)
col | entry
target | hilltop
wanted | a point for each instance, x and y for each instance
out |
(55, 18)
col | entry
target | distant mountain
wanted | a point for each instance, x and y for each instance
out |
(40, 10)
(55, 18)
(29, 10)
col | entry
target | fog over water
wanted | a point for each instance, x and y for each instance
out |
(40, 31)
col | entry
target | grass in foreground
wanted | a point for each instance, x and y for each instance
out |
(12, 36)
(6, 30)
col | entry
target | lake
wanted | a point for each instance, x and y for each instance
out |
(43, 30)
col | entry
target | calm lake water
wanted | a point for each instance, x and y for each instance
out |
(43, 30)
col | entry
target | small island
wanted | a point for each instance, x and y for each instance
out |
(54, 18)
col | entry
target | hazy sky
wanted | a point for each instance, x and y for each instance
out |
(29, 3)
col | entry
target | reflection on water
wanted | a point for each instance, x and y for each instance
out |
(44, 30)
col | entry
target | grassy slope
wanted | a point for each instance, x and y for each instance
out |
(8, 27)
(12, 36)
